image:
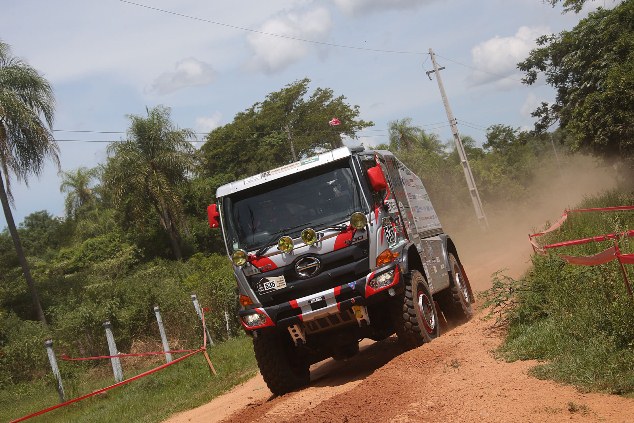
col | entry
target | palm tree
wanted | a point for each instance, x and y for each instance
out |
(80, 194)
(146, 172)
(26, 140)
(403, 135)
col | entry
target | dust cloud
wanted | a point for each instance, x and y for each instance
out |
(504, 245)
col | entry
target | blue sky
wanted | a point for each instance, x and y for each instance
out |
(209, 60)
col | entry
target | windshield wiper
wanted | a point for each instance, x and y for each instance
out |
(341, 227)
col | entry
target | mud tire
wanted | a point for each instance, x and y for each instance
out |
(456, 300)
(414, 313)
(283, 369)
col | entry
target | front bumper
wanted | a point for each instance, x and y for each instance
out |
(368, 290)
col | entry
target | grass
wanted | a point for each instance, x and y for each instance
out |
(151, 399)
(578, 320)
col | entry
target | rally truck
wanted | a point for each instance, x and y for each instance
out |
(333, 249)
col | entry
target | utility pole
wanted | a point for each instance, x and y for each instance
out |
(473, 190)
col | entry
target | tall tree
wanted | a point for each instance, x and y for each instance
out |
(77, 185)
(288, 125)
(26, 140)
(404, 135)
(145, 173)
(570, 5)
(591, 68)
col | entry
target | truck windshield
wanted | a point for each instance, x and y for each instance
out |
(317, 198)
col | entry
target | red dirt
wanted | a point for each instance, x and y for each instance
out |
(455, 378)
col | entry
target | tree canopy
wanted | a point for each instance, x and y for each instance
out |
(145, 173)
(79, 193)
(26, 140)
(287, 125)
(591, 68)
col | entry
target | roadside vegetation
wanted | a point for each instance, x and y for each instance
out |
(578, 320)
(178, 388)
(135, 232)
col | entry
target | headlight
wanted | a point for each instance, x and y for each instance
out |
(358, 220)
(254, 320)
(309, 236)
(285, 244)
(382, 280)
(239, 258)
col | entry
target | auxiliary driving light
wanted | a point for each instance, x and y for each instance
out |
(253, 320)
(309, 236)
(285, 244)
(239, 258)
(358, 220)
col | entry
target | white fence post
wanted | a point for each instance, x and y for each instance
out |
(227, 322)
(200, 316)
(166, 347)
(112, 347)
(53, 360)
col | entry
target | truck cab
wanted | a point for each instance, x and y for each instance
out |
(332, 249)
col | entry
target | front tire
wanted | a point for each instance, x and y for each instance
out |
(283, 369)
(414, 316)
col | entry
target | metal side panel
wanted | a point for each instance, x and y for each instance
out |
(433, 257)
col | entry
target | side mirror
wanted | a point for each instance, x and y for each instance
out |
(377, 178)
(213, 216)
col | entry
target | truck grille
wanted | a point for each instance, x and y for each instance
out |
(337, 268)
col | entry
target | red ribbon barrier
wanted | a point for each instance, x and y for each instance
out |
(564, 217)
(605, 256)
(107, 388)
(600, 258)
(103, 357)
(202, 349)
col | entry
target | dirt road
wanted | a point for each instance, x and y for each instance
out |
(455, 378)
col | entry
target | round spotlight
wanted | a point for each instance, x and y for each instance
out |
(358, 220)
(285, 244)
(239, 258)
(309, 236)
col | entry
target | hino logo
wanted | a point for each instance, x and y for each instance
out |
(307, 266)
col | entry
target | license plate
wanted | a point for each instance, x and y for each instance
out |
(271, 283)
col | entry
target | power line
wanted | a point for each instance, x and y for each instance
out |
(478, 69)
(471, 125)
(271, 34)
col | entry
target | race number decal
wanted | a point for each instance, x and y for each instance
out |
(271, 283)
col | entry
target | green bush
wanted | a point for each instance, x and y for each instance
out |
(580, 318)
(22, 353)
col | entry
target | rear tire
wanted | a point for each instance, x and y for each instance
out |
(414, 316)
(457, 299)
(283, 369)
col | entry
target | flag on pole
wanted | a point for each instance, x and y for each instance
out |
(334, 122)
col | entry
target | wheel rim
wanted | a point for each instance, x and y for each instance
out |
(427, 311)
(462, 287)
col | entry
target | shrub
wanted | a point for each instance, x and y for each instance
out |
(578, 317)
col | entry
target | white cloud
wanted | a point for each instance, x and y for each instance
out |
(272, 54)
(187, 73)
(360, 7)
(208, 123)
(530, 104)
(496, 59)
